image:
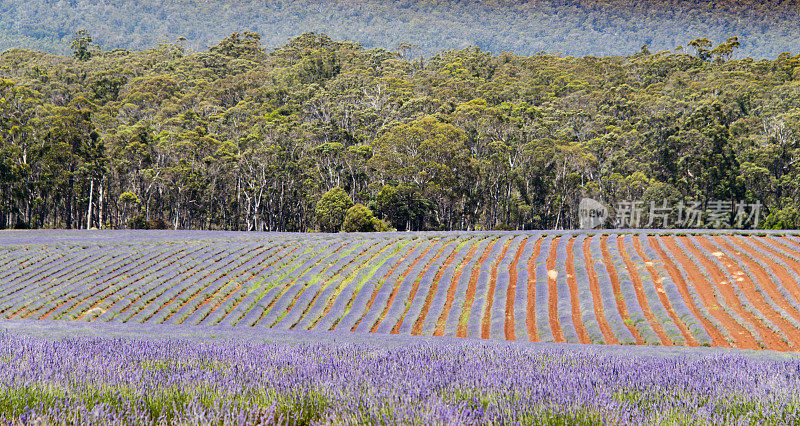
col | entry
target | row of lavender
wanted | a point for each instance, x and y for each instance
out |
(115, 381)
(619, 288)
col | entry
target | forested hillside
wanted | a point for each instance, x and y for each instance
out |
(240, 138)
(572, 27)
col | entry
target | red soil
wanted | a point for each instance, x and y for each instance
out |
(777, 252)
(722, 285)
(621, 307)
(451, 292)
(377, 287)
(791, 242)
(766, 283)
(415, 287)
(573, 292)
(640, 297)
(533, 332)
(594, 286)
(705, 288)
(396, 288)
(558, 335)
(512, 291)
(662, 295)
(47, 314)
(717, 339)
(785, 279)
(487, 313)
(316, 295)
(473, 283)
(417, 329)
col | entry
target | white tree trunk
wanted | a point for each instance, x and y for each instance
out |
(89, 207)
(100, 206)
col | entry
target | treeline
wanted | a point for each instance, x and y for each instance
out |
(572, 27)
(238, 138)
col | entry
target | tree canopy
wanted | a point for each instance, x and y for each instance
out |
(239, 137)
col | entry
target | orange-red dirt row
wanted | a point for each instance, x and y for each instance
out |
(738, 290)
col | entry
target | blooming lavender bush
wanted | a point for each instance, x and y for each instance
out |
(675, 297)
(521, 297)
(333, 287)
(351, 305)
(585, 296)
(542, 292)
(651, 293)
(629, 295)
(119, 381)
(564, 305)
(475, 318)
(440, 298)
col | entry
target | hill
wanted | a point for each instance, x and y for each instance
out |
(236, 138)
(583, 27)
(710, 289)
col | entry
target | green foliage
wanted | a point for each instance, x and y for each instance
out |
(128, 198)
(701, 48)
(245, 45)
(81, 43)
(785, 218)
(360, 219)
(404, 207)
(725, 50)
(239, 139)
(332, 209)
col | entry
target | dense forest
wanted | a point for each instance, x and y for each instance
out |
(524, 27)
(237, 137)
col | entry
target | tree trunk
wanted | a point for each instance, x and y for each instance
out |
(100, 205)
(89, 207)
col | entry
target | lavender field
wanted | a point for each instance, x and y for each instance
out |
(93, 380)
(399, 328)
(668, 289)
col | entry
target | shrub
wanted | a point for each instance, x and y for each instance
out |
(360, 219)
(331, 209)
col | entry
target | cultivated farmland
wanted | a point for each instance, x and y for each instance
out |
(671, 289)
